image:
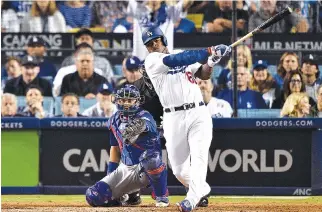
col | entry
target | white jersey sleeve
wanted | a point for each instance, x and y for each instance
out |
(154, 64)
(195, 67)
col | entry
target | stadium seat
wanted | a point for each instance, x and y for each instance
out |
(57, 107)
(48, 78)
(259, 113)
(118, 70)
(197, 19)
(86, 103)
(48, 104)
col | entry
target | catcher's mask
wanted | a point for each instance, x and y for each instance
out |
(127, 101)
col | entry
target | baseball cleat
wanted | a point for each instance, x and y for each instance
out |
(203, 201)
(131, 199)
(154, 196)
(184, 206)
(162, 202)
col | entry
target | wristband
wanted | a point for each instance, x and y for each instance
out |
(111, 167)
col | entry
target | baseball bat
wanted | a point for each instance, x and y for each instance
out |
(279, 16)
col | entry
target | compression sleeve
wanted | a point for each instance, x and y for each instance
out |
(186, 58)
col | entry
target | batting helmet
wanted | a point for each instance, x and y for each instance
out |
(152, 33)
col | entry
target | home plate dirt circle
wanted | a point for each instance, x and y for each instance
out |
(232, 207)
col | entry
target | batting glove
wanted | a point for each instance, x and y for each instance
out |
(212, 61)
(220, 50)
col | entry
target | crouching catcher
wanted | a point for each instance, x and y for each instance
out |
(135, 155)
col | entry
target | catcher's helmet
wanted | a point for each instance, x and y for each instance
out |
(127, 100)
(152, 33)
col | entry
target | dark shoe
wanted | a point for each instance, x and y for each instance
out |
(203, 201)
(134, 198)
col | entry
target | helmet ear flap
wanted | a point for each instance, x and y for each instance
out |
(164, 41)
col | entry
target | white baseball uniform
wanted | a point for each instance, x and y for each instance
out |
(188, 133)
(142, 18)
(219, 108)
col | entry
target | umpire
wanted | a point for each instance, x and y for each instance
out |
(149, 99)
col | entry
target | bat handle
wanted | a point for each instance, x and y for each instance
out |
(242, 39)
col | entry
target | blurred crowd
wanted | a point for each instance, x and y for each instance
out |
(118, 16)
(84, 84)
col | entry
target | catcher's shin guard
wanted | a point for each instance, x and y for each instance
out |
(156, 171)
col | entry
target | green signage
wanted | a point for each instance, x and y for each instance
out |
(19, 158)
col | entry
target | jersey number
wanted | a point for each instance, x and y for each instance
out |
(191, 77)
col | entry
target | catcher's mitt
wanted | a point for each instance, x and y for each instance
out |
(133, 130)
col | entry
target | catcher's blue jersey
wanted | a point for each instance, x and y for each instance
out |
(148, 140)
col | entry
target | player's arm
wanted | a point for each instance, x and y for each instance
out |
(157, 63)
(190, 57)
(115, 154)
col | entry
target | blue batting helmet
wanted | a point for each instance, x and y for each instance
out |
(152, 33)
(127, 101)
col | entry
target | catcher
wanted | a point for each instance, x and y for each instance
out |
(135, 155)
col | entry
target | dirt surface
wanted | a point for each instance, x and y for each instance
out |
(233, 207)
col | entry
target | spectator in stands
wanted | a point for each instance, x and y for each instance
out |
(110, 14)
(44, 17)
(83, 82)
(288, 61)
(158, 13)
(184, 25)
(296, 106)
(317, 109)
(13, 68)
(268, 9)
(263, 82)
(70, 106)
(104, 107)
(218, 18)
(247, 99)
(22, 8)
(293, 84)
(199, 7)
(77, 14)
(37, 47)
(311, 74)
(244, 59)
(9, 18)
(30, 70)
(86, 36)
(34, 103)
(71, 69)
(130, 70)
(9, 105)
(217, 107)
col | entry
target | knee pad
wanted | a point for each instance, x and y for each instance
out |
(99, 194)
(151, 160)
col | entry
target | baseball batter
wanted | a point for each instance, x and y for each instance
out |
(135, 142)
(186, 121)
